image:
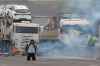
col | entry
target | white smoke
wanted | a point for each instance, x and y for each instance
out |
(69, 45)
(72, 44)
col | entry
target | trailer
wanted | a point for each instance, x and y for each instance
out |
(5, 22)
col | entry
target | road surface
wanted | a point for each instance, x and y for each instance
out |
(20, 61)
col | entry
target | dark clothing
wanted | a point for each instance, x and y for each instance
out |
(26, 49)
(31, 55)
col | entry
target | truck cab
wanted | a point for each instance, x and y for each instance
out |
(20, 12)
(23, 33)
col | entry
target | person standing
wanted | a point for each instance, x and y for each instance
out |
(92, 41)
(31, 51)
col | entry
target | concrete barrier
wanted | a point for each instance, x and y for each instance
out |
(49, 35)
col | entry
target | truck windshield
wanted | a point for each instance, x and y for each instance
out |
(20, 29)
(26, 16)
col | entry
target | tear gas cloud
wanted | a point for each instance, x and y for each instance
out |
(73, 43)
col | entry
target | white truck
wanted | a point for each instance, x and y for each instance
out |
(18, 33)
(22, 34)
(20, 12)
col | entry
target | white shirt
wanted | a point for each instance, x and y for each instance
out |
(31, 49)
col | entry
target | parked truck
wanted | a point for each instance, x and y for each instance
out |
(19, 12)
(19, 33)
(22, 33)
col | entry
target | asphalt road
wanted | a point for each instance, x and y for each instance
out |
(20, 61)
